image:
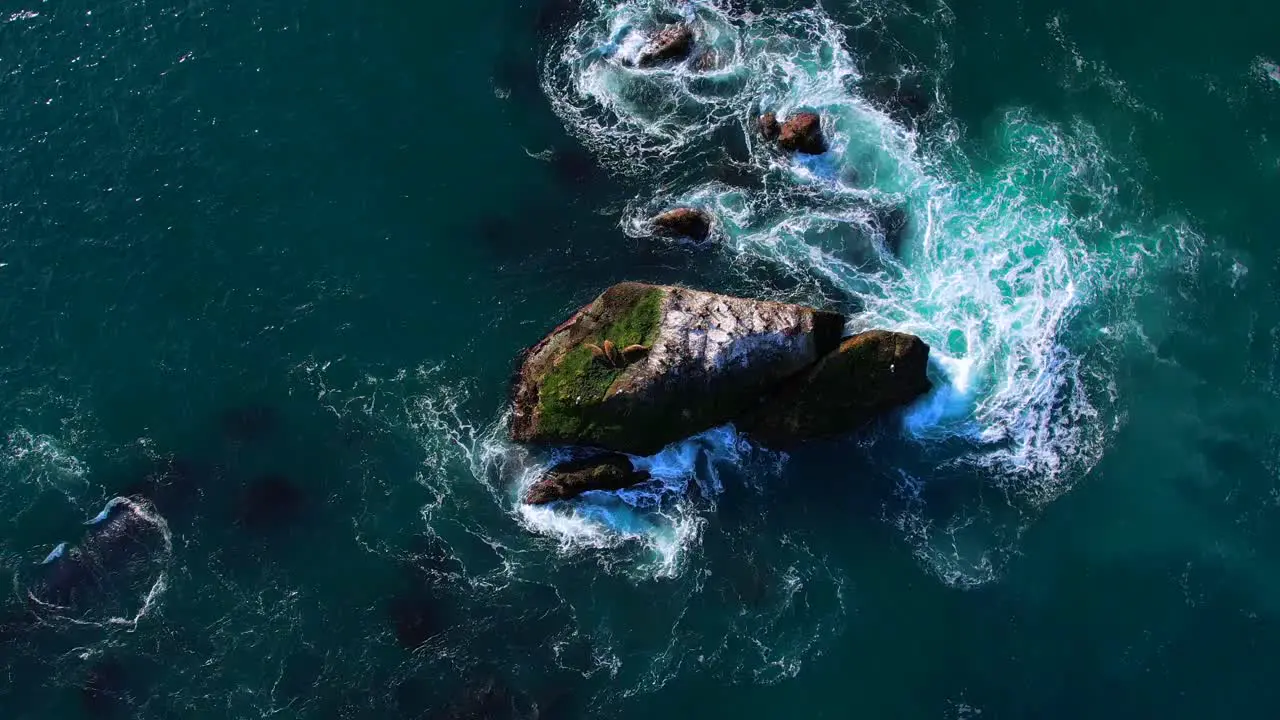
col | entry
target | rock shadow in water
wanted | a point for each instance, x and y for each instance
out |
(488, 697)
(173, 486)
(249, 423)
(270, 502)
(420, 610)
(103, 692)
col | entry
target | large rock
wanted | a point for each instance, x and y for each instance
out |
(643, 366)
(871, 373)
(571, 479)
(802, 133)
(683, 223)
(673, 42)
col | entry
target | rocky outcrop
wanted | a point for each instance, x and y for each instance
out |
(869, 374)
(802, 133)
(570, 479)
(673, 42)
(644, 366)
(768, 126)
(683, 223)
(710, 360)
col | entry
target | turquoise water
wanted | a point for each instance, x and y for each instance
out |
(271, 267)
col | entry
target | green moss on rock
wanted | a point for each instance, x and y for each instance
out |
(576, 384)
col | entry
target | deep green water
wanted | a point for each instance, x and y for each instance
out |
(307, 240)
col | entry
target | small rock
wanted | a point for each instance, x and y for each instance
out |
(673, 42)
(769, 127)
(683, 222)
(802, 133)
(571, 479)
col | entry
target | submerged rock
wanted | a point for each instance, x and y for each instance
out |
(271, 500)
(673, 42)
(102, 693)
(114, 563)
(903, 101)
(571, 479)
(871, 373)
(249, 422)
(417, 619)
(892, 222)
(768, 126)
(173, 485)
(683, 222)
(710, 359)
(802, 133)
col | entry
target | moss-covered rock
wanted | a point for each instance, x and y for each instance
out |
(710, 359)
(570, 479)
(869, 374)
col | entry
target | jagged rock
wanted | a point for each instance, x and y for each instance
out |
(768, 126)
(711, 359)
(869, 374)
(673, 42)
(568, 480)
(683, 222)
(802, 132)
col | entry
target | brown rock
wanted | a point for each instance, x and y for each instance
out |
(802, 132)
(683, 222)
(571, 479)
(868, 375)
(769, 127)
(673, 42)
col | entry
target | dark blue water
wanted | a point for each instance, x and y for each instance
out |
(270, 266)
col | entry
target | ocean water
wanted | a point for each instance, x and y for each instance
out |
(267, 269)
